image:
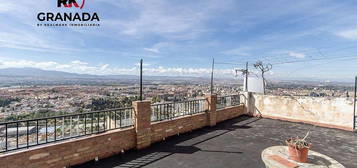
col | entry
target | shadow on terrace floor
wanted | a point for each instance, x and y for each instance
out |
(233, 143)
(171, 145)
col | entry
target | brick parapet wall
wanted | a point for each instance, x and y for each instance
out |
(71, 152)
(163, 129)
(80, 150)
(230, 112)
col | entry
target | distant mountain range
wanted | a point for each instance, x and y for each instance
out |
(34, 72)
(50, 74)
(10, 76)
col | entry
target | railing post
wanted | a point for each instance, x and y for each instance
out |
(109, 119)
(211, 109)
(142, 118)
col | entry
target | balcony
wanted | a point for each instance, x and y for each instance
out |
(24, 134)
(223, 131)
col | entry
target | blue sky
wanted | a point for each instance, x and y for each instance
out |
(177, 37)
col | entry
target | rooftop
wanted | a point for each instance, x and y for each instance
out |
(234, 143)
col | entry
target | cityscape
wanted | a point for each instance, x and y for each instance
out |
(43, 100)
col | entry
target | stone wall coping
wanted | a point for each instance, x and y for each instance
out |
(231, 107)
(178, 118)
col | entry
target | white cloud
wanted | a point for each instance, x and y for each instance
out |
(77, 62)
(105, 66)
(26, 63)
(84, 68)
(348, 34)
(144, 64)
(154, 50)
(241, 51)
(296, 54)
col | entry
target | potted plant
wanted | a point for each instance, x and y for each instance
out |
(298, 148)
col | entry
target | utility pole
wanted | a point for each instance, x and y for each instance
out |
(246, 77)
(354, 105)
(212, 76)
(141, 80)
(244, 72)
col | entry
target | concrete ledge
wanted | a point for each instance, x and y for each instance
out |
(307, 122)
(178, 118)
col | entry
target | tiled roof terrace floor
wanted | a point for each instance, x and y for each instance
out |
(234, 143)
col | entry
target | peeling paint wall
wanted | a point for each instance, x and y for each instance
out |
(323, 111)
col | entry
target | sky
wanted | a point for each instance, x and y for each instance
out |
(180, 37)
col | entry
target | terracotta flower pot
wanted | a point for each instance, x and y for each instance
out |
(296, 153)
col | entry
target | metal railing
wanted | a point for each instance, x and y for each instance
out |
(27, 133)
(228, 101)
(168, 111)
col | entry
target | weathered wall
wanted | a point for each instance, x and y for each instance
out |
(71, 152)
(327, 112)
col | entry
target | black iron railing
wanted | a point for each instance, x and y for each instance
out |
(167, 111)
(228, 101)
(27, 133)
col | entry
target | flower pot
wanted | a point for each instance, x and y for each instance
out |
(296, 153)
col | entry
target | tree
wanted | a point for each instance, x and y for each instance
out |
(263, 68)
(156, 99)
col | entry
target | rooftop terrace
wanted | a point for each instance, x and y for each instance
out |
(214, 131)
(234, 143)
